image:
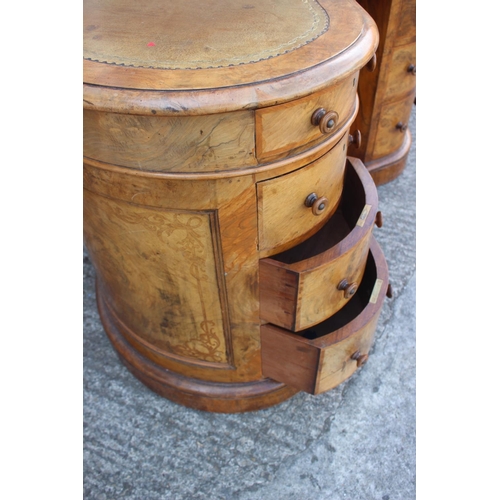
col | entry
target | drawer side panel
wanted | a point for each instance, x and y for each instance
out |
(289, 359)
(278, 294)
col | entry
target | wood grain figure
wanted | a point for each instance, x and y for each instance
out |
(215, 140)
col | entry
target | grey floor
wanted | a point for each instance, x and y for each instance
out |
(356, 441)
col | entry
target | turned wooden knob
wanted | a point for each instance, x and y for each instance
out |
(388, 294)
(317, 203)
(325, 120)
(412, 69)
(372, 63)
(360, 359)
(379, 220)
(402, 126)
(355, 139)
(349, 288)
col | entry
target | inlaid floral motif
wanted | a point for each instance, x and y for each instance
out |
(190, 242)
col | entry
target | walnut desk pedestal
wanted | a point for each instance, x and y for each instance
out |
(230, 233)
(387, 93)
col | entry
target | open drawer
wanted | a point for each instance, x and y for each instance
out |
(322, 357)
(311, 281)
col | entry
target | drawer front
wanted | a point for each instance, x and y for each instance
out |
(320, 290)
(402, 77)
(338, 362)
(392, 127)
(300, 288)
(284, 217)
(171, 144)
(284, 128)
(323, 358)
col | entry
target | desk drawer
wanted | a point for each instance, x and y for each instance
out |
(322, 357)
(391, 132)
(284, 128)
(284, 217)
(402, 72)
(308, 283)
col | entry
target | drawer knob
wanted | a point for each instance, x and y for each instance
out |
(318, 204)
(360, 359)
(325, 120)
(372, 63)
(349, 288)
(379, 220)
(355, 139)
(412, 69)
(401, 126)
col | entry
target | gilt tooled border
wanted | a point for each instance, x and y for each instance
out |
(324, 30)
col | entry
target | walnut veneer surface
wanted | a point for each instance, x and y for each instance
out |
(209, 150)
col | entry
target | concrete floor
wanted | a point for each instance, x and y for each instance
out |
(356, 441)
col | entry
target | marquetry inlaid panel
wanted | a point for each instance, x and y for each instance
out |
(162, 271)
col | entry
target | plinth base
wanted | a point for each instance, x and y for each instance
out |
(193, 393)
(387, 168)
